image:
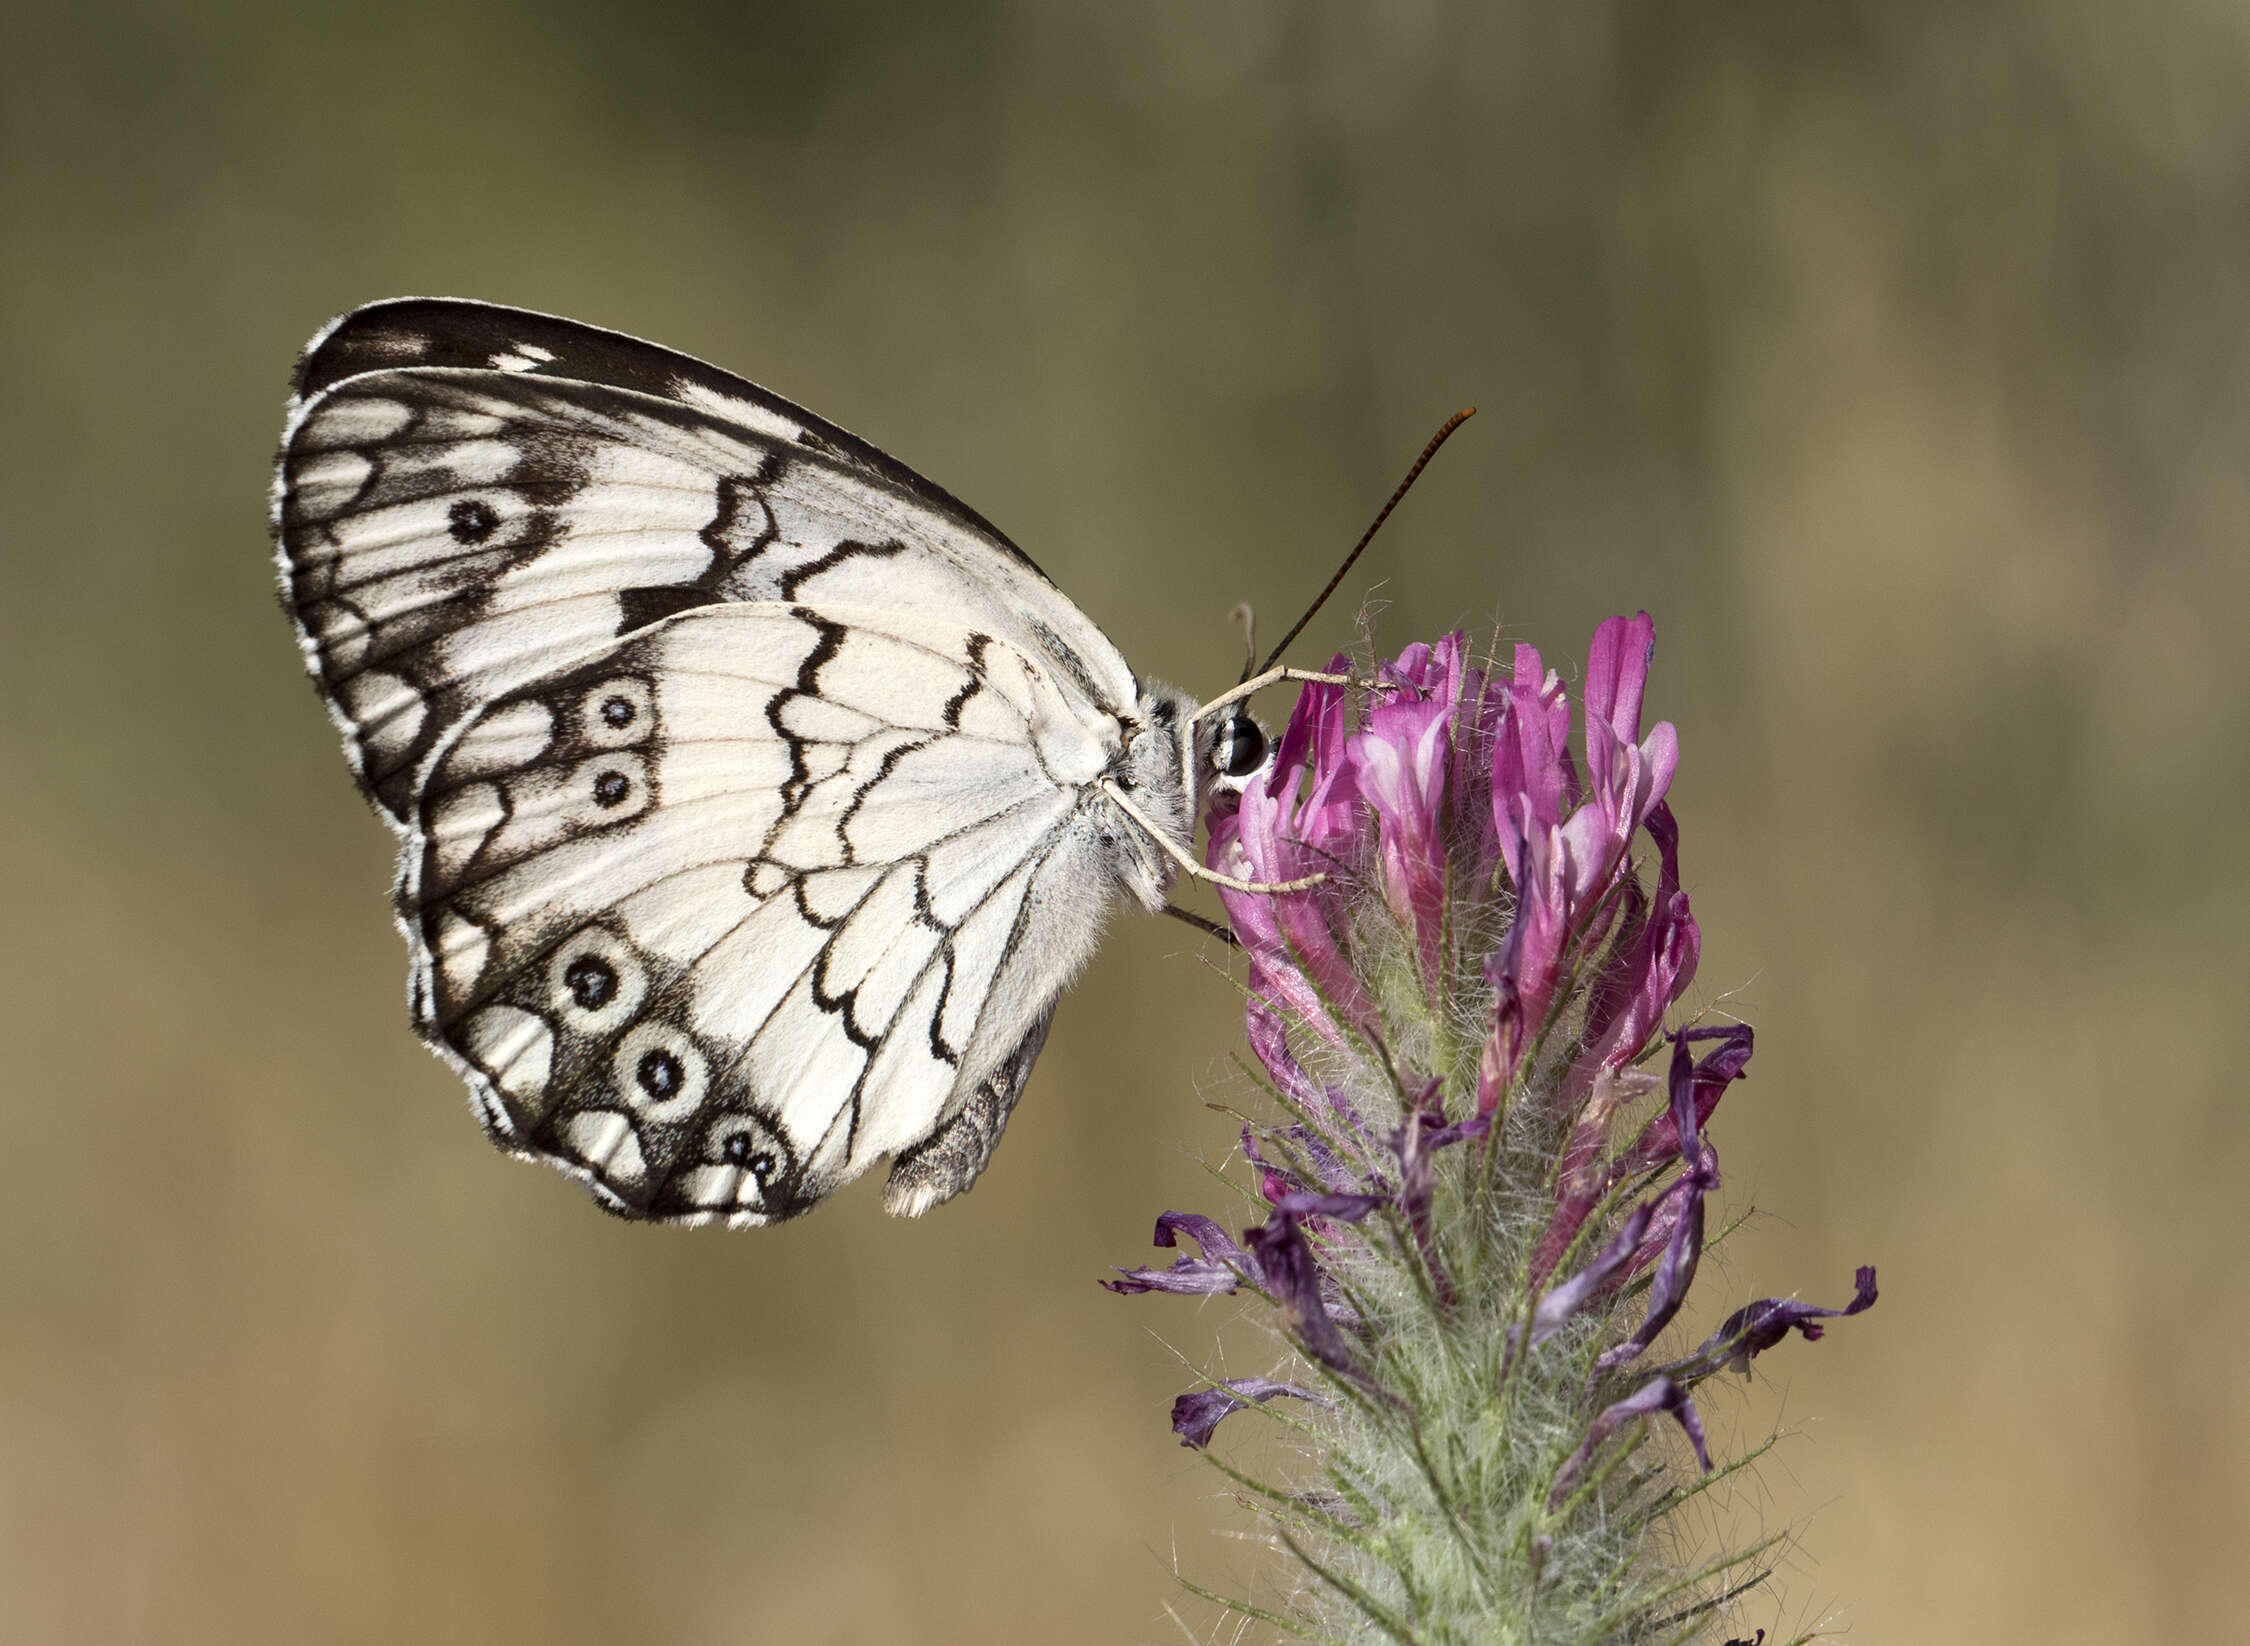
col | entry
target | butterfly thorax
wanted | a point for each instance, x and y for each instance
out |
(1147, 766)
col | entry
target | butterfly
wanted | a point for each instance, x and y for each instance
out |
(756, 799)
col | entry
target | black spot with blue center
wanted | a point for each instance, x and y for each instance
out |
(472, 520)
(592, 982)
(738, 1150)
(660, 1074)
(618, 712)
(611, 788)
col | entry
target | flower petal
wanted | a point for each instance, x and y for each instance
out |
(1291, 938)
(1222, 1267)
(1196, 1414)
(1675, 1273)
(1559, 1303)
(1416, 1143)
(1647, 968)
(1659, 1394)
(1757, 1327)
(1293, 1275)
(1269, 1039)
(1660, 1138)
(1401, 761)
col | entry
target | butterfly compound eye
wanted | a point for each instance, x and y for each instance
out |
(1240, 747)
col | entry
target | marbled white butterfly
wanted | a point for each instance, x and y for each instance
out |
(757, 799)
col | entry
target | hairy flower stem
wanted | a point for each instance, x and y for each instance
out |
(1489, 961)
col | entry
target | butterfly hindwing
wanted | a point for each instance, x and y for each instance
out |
(954, 1156)
(723, 915)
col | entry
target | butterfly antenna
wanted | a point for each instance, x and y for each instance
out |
(1243, 615)
(1420, 463)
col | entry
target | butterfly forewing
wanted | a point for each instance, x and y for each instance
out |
(436, 331)
(449, 533)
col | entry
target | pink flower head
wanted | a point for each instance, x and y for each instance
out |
(1647, 968)
(1489, 963)
(1276, 833)
(1402, 760)
(1628, 776)
(1568, 851)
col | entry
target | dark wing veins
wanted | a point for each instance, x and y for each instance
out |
(740, 513)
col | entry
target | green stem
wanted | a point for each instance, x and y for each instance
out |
(1374, 1610)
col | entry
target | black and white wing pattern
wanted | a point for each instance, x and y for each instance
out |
(470, 497)
(747, 782)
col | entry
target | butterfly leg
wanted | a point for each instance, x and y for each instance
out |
(1258, 683)
(1250, 688)
(951, 1158)
(1181, 856)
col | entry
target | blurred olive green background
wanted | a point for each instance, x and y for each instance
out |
(1892, 355)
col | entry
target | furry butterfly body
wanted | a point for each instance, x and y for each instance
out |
(756, 798)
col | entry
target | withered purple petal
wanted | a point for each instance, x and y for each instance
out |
(1269, 1039)
(1334, 1176)
(1559, 1303)
(1204, 1231)
(1416, 1145)
(1757, 1327)
(1273, 1181)
(1675, 1273)
(1425, 1118)
(1293, 1276)
(1660, 1139)
(1196, 1414)
(1659, 1394)
(1222, 1267)
(1586, 1180)
(1278, 1182)
(1190, 1277)
(1671, 1205)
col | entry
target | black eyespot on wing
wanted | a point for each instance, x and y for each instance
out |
(618, 712)
(592, 982)
(659, 1074)
(611, 788)
(472, 520)
(743, 1149)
